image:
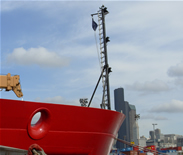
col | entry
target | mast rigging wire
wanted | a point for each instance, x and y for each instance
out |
(140, 147)
(95, 36)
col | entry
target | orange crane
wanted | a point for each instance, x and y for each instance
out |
(9, 82)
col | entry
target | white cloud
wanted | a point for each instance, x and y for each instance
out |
(151, 116)
(140, 16)
(56, 99)
(148, 116)
(175, 106)
(176, 71)
(39, 56)
(10, 5)
(160, 118)
(60, 100)
(149, 86)
(179, 81)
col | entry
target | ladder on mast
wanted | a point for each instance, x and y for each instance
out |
(103, 58)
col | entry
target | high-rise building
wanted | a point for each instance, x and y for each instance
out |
(158, 134)
(134, 128)
(129, 130)
(180, 141)
(135, 133)
(152, 135)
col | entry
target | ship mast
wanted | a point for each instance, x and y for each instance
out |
(103, 58)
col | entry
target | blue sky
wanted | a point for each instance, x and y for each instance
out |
(51, 45)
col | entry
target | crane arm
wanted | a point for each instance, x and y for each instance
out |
(9, 82)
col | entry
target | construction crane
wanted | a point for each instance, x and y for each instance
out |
(9, 82)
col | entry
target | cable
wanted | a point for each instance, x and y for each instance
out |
(138, 146)
(95, 36)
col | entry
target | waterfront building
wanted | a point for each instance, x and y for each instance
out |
(164, 140)
(180, 141)
(152, 140)
(170, 138)
(158, 134)
(142, 141)
(152, 135)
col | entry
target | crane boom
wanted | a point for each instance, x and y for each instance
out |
(9, 82)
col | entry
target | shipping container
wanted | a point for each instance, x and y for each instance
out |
(178, 148)
(151, 148)
(149, 153)
(135, 148)
(131, 152)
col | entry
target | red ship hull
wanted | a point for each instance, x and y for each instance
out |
(62, 129)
